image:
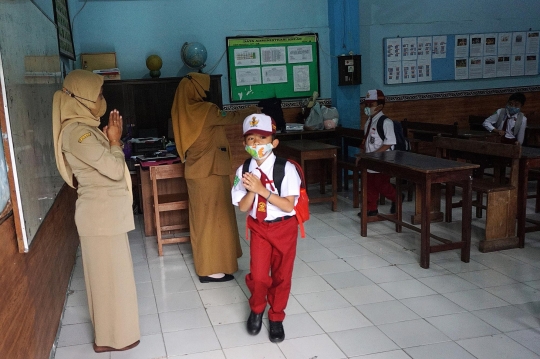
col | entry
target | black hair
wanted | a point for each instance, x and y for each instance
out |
(517, 96)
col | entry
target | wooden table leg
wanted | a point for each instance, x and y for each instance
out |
(466, 215)
(334, 183)
(363, 210)
(425, 226)
(522, 202)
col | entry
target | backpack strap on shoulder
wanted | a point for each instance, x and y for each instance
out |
(279, 173)
(380, 129)
(245, 167)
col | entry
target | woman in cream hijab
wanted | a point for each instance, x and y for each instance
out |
(201, 141)
(103, 213)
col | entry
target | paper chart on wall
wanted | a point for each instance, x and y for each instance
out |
(274, 74)
(439, 47)
(532, 42)
(490, 67)
(301, 78)
(504, 43)
(476, 45)
(461, 71)
(475, 68)
(247, 57)
(461, 46)
(273, 55)
(393, 72)
(424, 47)
(517, 65)
(393, 49)
(409, 72)
(519, 40)
(503, 66)
(248, 76)
(490, 44)
(531, 65)
(298, 54)
(408, 46)
(424, 69)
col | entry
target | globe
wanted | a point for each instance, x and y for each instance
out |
(154, 63)
(194, 55)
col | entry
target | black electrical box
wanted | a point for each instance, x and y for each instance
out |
(349, 70)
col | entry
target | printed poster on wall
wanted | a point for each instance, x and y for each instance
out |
(477, 45)
(503, 66)
(273, 55)
(408, 47)
(424, 47)
(475, 68)
(531, 65)
(461, 71)
(532, 42)
(297, 54)
(439, 47)
(393, 72)
(424, 69)
(246, 57)
(393, 49)
(490, 44)
(517, 65)
(461, 46)
(504, 43)
(409, 72)
(518, 42)
(490, 67)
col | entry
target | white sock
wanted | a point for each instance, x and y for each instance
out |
(217, 275)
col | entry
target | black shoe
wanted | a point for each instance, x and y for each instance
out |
(225, 278)
(254, 323)
(393, 207)
(276, 332)
(370, 213)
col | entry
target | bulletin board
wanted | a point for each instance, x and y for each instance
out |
(282, 66)
(461, 57)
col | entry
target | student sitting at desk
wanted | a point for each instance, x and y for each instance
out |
(509, 122)
(377, 182)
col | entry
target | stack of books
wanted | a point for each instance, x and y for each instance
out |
(109, 74)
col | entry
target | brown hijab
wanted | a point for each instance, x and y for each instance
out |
(75, 103)
(189, 110)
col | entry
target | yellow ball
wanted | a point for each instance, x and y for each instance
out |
(154, 62)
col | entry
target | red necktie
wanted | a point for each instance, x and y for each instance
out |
(261, 202)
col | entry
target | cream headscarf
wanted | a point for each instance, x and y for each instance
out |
(189, 110)
(80, 91)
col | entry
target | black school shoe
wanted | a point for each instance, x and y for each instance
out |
(276, 332)
(370, 213)
(225, 278)
(393, 206)
(254, 323)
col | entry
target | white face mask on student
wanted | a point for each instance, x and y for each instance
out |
(260, 152)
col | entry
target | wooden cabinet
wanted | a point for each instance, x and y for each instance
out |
(146, 103)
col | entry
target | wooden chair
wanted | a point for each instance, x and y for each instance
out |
(501, 202)
(345, 138)
(167, 203)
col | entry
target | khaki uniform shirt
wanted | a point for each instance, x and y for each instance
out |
(104, 204)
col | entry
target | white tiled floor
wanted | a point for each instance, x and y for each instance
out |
(352, 297)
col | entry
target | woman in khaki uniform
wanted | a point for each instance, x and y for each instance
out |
(199, 133)
(103, 213)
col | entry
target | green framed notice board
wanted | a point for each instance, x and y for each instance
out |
(282, 66)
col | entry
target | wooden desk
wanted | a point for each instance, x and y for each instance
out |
(424, 171)
(530, 158)
(164, 187)
(305, 150)
(318, 135)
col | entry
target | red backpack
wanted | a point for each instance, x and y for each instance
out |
(302, 205)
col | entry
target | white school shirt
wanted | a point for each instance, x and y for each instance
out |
(492, 120)
(373, 140)
(289, 187)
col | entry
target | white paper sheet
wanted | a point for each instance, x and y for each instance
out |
(424, 69)
(393, 49)
(273, 55)
(409, 72)
(490, 67)
(461, 71)
(393, 72)
(424, 47)
(408, 46)
(475, 68)
(503, 66)
(490, 44)
(298, 54)
(532, 42)
(439, 47)
(246, 57)
(476, 46)
(517, 65)
(248, 76)
(461, 46)
(519, 39)
(274, 74)
(531, 65)
(504, 43)
(301, 78)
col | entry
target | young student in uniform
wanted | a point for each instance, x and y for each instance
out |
(509, 122)
(273, 225)
(377, 183)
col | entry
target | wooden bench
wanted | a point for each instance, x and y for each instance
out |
(501, 193)
(345, 138)
(421, 134)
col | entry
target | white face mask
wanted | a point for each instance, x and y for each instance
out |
(369, 111)
(259, 152)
